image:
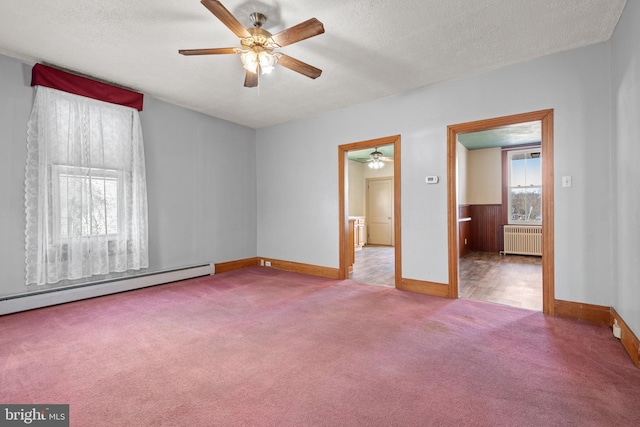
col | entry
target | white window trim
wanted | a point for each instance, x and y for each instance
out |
(510, 154)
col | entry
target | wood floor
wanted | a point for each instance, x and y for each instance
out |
(513, 280)
(375, 265)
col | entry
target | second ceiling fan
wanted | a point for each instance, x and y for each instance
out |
(257, 51)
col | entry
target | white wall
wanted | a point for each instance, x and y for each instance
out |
(462, 166)
(484, 169)
(356, 188)
(16, 100)
(298, 203)
(201, 183)
(626, 154)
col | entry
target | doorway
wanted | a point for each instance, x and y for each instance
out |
(499, 195)
(388, 229)
(545, 117)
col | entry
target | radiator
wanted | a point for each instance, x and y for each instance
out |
(523, 239)
(53, 296)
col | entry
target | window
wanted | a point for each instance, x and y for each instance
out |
(525, 187)
(86, 202)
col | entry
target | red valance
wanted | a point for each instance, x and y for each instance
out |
(41, 75)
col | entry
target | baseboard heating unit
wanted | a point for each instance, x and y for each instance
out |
(53, 296)
(523, 240)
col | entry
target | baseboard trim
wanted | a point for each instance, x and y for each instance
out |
(224, 267)
(580, 311)
(628, 339)
(422, 287)
(296, 267)
(601, 314)
(54, 296)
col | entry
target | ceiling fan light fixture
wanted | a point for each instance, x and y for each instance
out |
(376, 164)
(249, 60)
(256, 53)
(375, 161)
(267, 60)
(258, 58)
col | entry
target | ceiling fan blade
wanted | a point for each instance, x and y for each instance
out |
(304, 30)
(214, 51)
(226, 17)
(250, 79)
(299, 66)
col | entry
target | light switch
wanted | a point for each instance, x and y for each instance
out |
(566, 181)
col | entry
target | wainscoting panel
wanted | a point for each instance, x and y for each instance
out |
(486, 228)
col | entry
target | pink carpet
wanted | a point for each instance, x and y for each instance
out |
(264, 347)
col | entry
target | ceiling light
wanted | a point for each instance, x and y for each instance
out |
(376, 164)
(257, 54)
(376, 160)
(258, 58)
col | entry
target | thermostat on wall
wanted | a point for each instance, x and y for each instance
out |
(432, 180)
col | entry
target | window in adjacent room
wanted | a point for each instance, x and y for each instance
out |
(525, 187)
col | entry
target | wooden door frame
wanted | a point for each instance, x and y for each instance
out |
(367, 213)
(546, 119)
(343, 236)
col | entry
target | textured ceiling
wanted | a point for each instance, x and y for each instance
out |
(371, 48)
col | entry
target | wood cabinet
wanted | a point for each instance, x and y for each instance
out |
(359, 234)
(356, 238)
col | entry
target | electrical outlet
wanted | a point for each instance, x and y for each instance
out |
(262, 262)
(267, 263)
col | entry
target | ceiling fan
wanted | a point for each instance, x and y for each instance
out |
(376, 159)
(257, 51)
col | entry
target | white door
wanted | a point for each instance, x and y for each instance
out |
(380, 211)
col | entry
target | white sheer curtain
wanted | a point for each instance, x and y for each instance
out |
(86, 197)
